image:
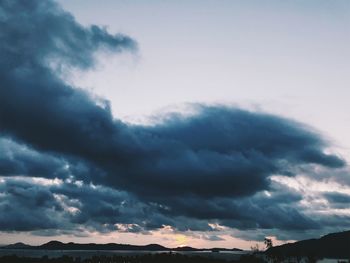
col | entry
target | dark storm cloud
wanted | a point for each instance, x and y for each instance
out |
(51, 207)
(338, 200)
(182, 172)
(73, 207)
(17, 159)
(46, 206)
(38, 32)
(27, 207)
(336, 197)
(222, 152)
(36, 106)
(276, 209)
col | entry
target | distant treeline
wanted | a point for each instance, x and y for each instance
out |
(149, 258)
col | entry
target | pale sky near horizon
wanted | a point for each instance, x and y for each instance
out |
(287, 58)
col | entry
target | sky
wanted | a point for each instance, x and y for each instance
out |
(202, 123)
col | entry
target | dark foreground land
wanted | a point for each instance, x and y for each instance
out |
(335, 245)
(149, 258)
(164, 258)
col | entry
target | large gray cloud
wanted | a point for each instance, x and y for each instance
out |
(73, 207)
(17, 159)
(183, 172)
(27, 207)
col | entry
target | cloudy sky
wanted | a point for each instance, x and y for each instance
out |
(202, 123)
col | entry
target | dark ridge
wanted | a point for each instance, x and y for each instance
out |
(57, 245)
(18, 245)
(335, 245)
(215, 249)
(148, 258)
(187, 248)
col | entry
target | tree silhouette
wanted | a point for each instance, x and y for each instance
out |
(268, 243)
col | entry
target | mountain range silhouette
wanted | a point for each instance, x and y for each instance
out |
(57, 245)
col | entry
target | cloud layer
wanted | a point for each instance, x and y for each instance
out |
(64, 156)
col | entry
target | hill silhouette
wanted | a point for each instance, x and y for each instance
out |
(148, 258)
(18, 245)
(57, 245)
(335, 245)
